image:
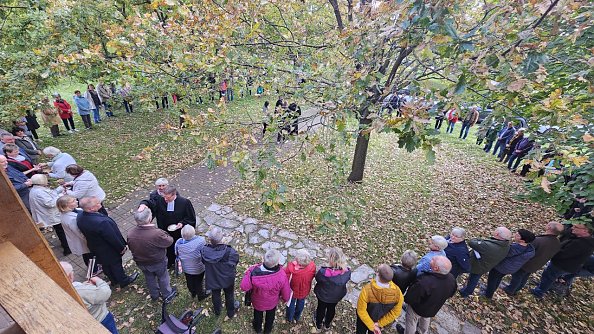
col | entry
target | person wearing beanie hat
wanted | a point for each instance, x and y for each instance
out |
(519, 253)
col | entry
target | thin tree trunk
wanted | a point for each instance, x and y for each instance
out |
(360, 155)
(334, 4)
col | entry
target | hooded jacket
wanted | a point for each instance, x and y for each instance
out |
(379, 304)
(491, 252)
(267, 286)
(331, 284)
(516, 257)
(220, 262)
(428, 294)
(300, 278)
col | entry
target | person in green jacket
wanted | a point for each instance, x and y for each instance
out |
(484, 255)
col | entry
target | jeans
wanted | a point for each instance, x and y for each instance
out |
(499, 146)
(87, 121)
(450, 127)
(194, 283)
(464, 130)
(229, 94)
(295, 308)
(268, 323)
(493, 282)
(517, 158)
(68, 120)
(107, 109)
(488, 146)
(414, 323)
(548, 277)
(96, 116)
(325, 313)
(473, 280)
(109, 323)
(518, 281)
(157, 279)
(115, 272)
(229, 301)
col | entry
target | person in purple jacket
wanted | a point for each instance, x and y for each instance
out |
(519, 152)
(268, 283)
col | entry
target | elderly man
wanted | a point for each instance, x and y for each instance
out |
(59, 162)
(172, 212)
(457, 252)
(105, 240)
(577, 246)
(380, 302)
(427, 295)
(148, 245)
(26, 144)
(503, 136)
(470, 119)
(20, 181)
(545, 247)
(8, 138)
(486, 254)
(220, 261)
(94, 293)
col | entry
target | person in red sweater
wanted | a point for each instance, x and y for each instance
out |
(300, 273)
(65, 112)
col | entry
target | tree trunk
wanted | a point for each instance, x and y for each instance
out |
(334, 4)
(360, 155)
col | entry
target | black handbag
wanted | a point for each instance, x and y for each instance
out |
(247, 299)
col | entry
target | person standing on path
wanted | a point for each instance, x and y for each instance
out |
(437, 244)
(405, 273)
(188, 249)
(77, 242)
(148, 245)
(65, 111)
(83, 107)
(331, 281)
(300, 273)
(470, 120)
(172, 213)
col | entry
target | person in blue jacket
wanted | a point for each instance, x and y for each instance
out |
(503, 137)
(519, 152)
(457, 252)
(84, 109)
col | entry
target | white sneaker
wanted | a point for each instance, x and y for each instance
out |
(76, 130)
(70, 131)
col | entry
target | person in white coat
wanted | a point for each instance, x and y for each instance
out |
(84, 184)
(69, 210)
(58, 163)
(42, 201)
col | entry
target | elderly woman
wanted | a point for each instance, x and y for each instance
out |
(188, 250)
(26, 144)
(405, 273)
(331, 287)
(84, 184)
(42, 201)
(437, 244)
(68, 207)
(300, 272)
(17, 161)
(267, 282)
(58, 163)
(50, 117)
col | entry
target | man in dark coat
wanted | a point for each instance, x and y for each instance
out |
(486, 254)
(105, 240)
(220, 261)
(545, 247)
(427, 295)
(457, 252)
(503, 136)
(519, 152)
(577, 245)
(172, 213)
(21, 183)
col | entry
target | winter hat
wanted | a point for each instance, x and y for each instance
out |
(526, 235)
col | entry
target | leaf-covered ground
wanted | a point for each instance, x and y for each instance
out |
(402, 201)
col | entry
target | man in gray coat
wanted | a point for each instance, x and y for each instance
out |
(486, 254)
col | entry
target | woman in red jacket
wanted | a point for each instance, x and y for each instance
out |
(65, 112)
(300, 272)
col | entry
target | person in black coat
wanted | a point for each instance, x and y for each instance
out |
(457, 252)
(172, 212)
(105, 240)
(405, 273)
(32, 123)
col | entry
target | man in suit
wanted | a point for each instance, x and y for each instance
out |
(105, 240)
(170, 210)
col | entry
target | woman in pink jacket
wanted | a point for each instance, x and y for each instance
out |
(267, 282)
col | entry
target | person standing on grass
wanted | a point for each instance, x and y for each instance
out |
(437, 244)
(83, 107)
(470, 120)
(511, 145)
(331, 281)
(405, 273)
(148, 245)
(457, 252)
(94, 293)
(519, 152)
(427, 296)
(188, 249)
(32, 124)
(485, 254)
(268, 283)
(503, 136)
(49, 115)
(519, 253)
(126, 94)
(220, 262)
(379, 304)
(452, 117)
(59, 162)
(300, 273)
(490, 137)
(95, 102)
(105, 95)
(65, 111)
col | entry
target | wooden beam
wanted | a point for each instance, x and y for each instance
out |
(36, 302)
(17, 227)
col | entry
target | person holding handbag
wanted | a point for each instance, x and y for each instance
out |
(267, 282)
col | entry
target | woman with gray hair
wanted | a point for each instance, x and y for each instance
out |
(405, 273)
(188, 250)
(267, 283)
(58, 163)
(301, 272)
(44, 211)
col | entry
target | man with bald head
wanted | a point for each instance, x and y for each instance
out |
(485, 255)
(427, 295)
(545, 247)
(105, 240)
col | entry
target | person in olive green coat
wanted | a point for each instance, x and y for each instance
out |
(484, 255)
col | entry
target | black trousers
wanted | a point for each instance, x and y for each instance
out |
(229, 301)
(194, 283)
(361, 328)
(86, 121)
(325, 313)
(34, 133)
(171, 249)
(115, 272)
(61, 236)
(269, 322)
(68, 120)
(55, 131)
